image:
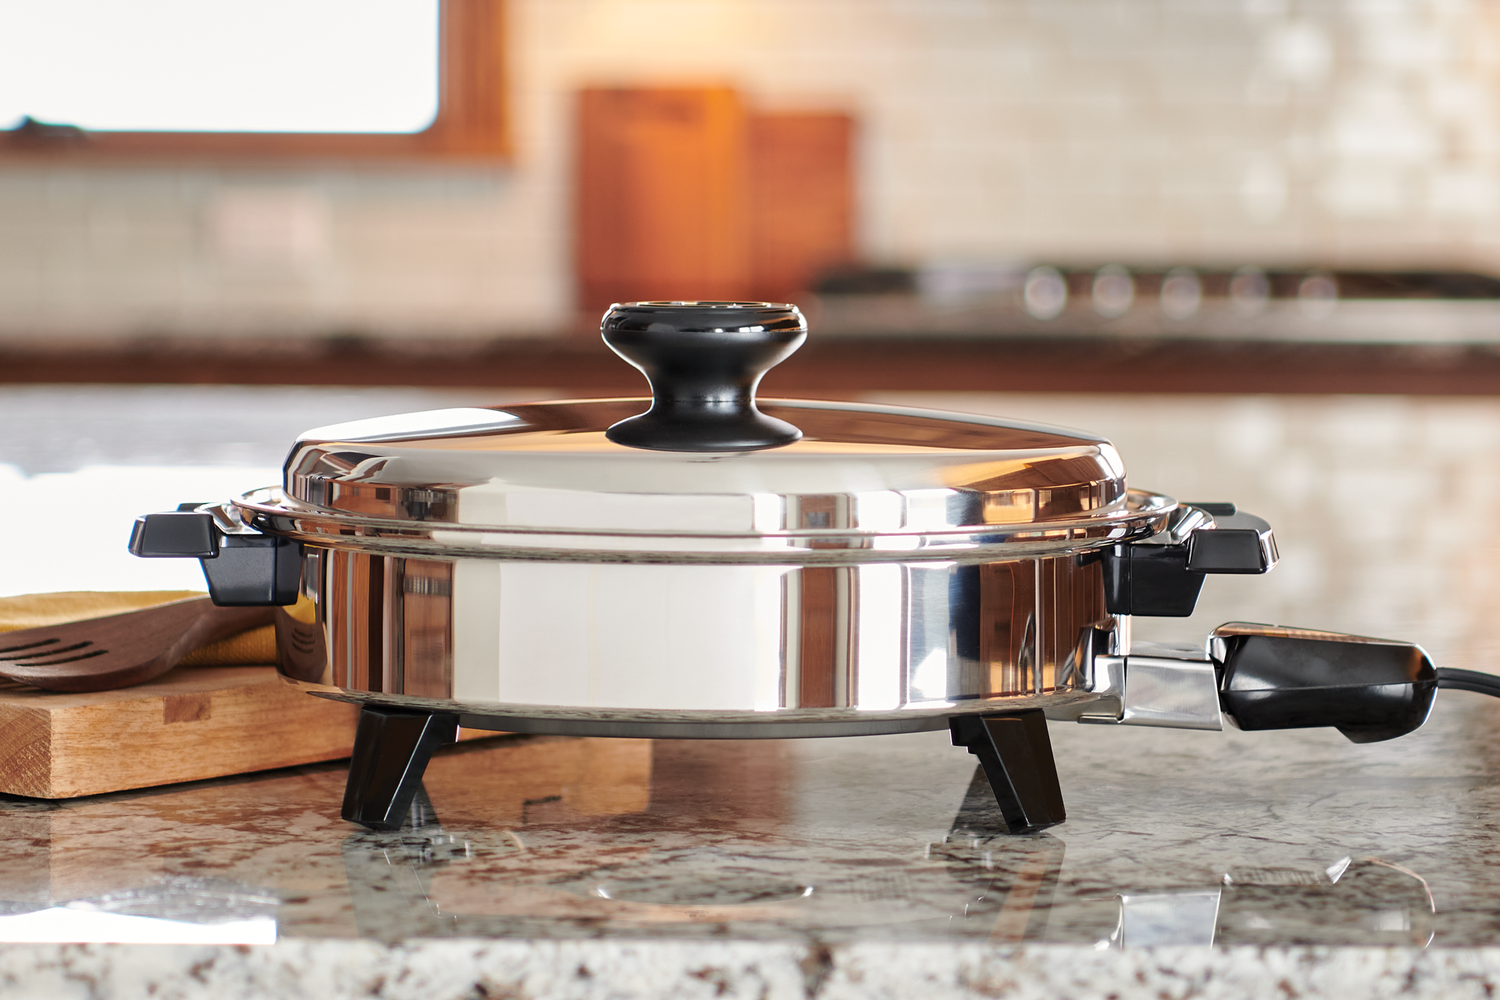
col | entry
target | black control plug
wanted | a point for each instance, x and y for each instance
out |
(1283, 678)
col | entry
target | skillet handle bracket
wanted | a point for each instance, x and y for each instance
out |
(1164, 685)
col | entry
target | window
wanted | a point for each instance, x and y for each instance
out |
(217, 79)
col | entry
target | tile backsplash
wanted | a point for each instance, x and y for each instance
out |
(1357, 133)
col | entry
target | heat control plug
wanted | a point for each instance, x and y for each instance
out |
(1287, 678)
(1272, 677)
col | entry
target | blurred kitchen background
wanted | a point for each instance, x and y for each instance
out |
(1296, 169)
(1256, 242)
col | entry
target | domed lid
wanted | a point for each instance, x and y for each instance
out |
(700, 471)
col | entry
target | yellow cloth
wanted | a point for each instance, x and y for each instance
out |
(256, 646)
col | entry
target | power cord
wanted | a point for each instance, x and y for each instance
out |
(1468, 680)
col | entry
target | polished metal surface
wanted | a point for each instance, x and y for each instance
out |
(1171, 693)
(859, 475)
(698, 644)
(891, 568)
(518, 565)
(1171, 686)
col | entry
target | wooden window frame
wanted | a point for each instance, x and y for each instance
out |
(471, 123)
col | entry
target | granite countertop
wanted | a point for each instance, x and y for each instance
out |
(1192, 864)
(542, 867)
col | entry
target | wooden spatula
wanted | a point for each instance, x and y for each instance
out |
(119, 650)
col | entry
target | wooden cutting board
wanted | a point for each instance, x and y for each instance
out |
(189, 724)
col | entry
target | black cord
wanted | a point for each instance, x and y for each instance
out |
(1468, 680)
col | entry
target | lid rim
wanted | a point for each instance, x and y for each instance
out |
(1144, 515)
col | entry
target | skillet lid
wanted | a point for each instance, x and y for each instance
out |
(702, 467)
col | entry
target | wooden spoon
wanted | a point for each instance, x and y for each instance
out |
(119, 650)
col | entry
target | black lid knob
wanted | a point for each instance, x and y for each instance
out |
(703, 360)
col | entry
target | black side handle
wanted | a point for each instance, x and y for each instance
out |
(704, 361)
(177, 534)
(1237, 543)
(1163, 579)
(1285, 678)
(242, 570)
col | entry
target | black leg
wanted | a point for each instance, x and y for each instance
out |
(1017, 758)
(391, 750)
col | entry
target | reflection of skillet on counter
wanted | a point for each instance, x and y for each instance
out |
(977, 882)
(699, 566)
(1368, 902)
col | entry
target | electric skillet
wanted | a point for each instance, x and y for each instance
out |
(701, 565)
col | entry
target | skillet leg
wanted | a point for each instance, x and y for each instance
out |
(1016, 755)
(391, 750)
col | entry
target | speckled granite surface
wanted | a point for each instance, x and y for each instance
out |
(665, 970)
(1192, 864)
